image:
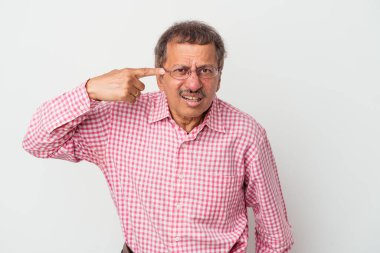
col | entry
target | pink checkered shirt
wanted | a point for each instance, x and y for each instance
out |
(174, 192)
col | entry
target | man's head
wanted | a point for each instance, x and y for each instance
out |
(192, 32)
(192, 53)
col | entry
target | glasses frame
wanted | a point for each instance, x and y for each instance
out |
(189, 72)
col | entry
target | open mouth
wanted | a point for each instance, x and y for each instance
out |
(191, 98)
(192, 101)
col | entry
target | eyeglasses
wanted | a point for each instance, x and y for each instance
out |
(183, 72)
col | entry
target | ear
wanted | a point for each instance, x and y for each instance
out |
(218, 86)
(160, 82)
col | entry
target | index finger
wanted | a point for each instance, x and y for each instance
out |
(143, 72)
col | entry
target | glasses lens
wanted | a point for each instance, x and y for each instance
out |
(180, 73)
(207, 72)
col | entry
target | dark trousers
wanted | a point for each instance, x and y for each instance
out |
(126, 249)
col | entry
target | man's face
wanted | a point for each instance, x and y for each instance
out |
(189, 98)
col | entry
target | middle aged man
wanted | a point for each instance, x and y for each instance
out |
(181, 164)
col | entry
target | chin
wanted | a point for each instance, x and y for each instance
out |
(194, 112)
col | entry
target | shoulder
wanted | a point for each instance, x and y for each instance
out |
(144, 100)
(140, 108)
(238, 122)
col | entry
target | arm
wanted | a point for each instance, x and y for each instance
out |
(264, 195)
(71, 126)
(74, 126)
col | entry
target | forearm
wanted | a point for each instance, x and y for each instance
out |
(55, 122)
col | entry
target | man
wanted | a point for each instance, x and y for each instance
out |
(181, 164)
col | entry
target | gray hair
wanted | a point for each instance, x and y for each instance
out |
(193, 32)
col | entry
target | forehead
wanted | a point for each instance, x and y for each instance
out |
(187, 54)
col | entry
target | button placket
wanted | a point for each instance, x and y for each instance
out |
(178, 184)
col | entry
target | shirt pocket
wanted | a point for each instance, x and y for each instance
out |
(215, 198)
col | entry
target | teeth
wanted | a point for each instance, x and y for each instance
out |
(191, 98)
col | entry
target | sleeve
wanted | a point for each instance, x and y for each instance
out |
(263, 193)
(71, 126)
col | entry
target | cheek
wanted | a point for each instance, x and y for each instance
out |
(167, 84)
(174, 86)
(172, 89)
(211, 88)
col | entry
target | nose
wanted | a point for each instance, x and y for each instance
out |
(193, 83)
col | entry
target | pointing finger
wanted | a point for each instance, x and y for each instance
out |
(143, 72)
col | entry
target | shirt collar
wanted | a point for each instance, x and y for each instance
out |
(160, 110)
(214, 119)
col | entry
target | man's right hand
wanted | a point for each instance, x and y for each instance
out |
(120, 85)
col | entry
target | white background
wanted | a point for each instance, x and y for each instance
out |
(306, 70)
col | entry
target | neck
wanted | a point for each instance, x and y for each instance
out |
(188, 124)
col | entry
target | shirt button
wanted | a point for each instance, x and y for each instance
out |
(177, 238)
(178, 206)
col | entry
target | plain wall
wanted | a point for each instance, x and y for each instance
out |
(308, 71)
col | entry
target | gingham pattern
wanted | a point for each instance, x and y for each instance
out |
(174, 192)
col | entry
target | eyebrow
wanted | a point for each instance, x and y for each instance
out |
(186, 66)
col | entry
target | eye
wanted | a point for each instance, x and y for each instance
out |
(206, 70)
(179, 71)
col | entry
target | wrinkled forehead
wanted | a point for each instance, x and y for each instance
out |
(188, 54)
